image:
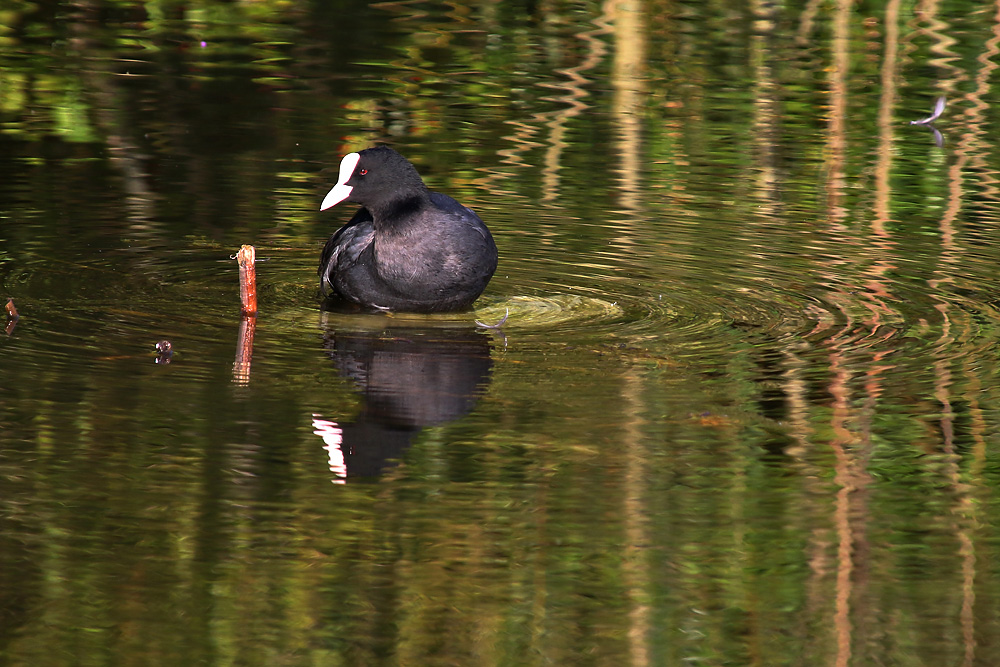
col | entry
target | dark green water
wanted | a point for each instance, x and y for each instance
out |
(744, 410)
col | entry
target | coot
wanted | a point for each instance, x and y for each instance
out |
(406, 248)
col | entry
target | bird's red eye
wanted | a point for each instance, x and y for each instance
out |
(363, 172)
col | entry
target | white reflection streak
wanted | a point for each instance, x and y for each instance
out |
(333, 438)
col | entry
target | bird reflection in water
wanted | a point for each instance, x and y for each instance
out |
(410, 378)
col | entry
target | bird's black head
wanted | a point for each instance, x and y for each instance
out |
(377, 178)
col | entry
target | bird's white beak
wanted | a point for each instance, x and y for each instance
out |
(341, 190)
(339, 193)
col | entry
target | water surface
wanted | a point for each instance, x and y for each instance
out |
(742, 411)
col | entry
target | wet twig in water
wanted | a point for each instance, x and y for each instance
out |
(248, 316)
(246, 258)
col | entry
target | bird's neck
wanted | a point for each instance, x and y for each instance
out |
(393, 212)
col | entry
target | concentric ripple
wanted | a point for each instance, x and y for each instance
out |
(198, 289)
(533, 312)
(714, 317)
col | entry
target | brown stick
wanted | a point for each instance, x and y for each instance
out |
(248, 279)
(248, 320)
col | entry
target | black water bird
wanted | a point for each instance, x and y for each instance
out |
(407, 248)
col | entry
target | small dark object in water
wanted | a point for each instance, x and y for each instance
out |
(939, 105)
(494, 326)
(406, 248)
(12, 317)
(164, 351)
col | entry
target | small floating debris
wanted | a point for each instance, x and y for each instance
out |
(939, 106)
(494, 326)
(12, 317)
(164, 351)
